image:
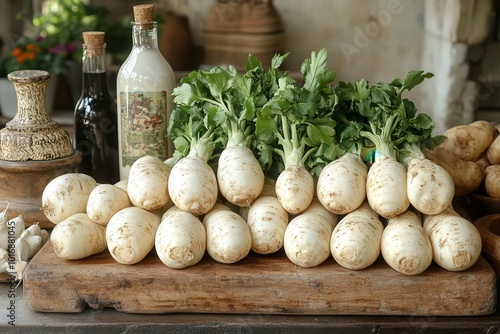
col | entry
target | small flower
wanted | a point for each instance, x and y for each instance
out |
(17, 52)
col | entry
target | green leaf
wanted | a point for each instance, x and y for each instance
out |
(183, 94)
(277, 61)
(414, 78)
(219, 81)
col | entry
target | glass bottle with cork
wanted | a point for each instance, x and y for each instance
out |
(95, 118)
(145, 82)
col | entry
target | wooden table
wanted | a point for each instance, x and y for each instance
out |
(110, 321)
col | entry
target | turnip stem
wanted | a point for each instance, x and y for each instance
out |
(203, 147)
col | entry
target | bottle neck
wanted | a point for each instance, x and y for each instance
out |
(94, 59)
(94, 71)
(145, 35)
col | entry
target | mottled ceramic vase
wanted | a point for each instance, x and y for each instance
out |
(31, 134)
(33, 150)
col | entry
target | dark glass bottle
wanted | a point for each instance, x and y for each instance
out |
(95, 121)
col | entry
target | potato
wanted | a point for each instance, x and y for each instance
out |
(147, 185)
(468, 141)
(78, 237)
(66, 195)
(493, 152)
(486, 125)
(483, 161)
(492, 181)
(104, 201)
(467, 175)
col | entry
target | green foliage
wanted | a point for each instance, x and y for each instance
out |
(380, 115)
(296, 126)
(287, 124)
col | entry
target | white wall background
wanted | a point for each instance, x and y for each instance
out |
(373, 39)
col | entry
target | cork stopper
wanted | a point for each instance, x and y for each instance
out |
(144, 14)
(94, 40)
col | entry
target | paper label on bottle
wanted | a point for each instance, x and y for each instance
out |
(143, 125)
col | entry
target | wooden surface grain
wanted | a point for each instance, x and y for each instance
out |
(256, 285)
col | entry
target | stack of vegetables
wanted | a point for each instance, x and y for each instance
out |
(471, 154)
(264, 163)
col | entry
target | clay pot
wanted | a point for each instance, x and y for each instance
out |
(235, 29)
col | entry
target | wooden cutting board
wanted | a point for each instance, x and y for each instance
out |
(257, 284)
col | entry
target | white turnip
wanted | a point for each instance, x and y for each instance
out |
(228, 236)
(239, 175)
(66, 195)
(355, 242)
(193, 185)
(269, 189)
(130, 234)
(104, 201)
(181, 239)
(122, 184)
(405, 246)
(430, 188)
(147, 185)
(341, 186)
(456, 242)
(386, 189)
(295, 189)
(307, 236)
(267, 221)
(78, 237)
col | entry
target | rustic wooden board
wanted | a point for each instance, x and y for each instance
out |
(268, 284)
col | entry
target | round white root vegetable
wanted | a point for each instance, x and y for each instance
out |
(355, 242)
(239, 175)
(66, 195)
(104, 201)
(456, 242)
(386, 187)
(181, 239)
(307, 236)
(267, 221)
(430, 188)
(130, 234)
(78, 237)
(341, 186)
(269, 189)
(295, 189)
(405, 246)
(122, 184)
(216, 208)
(147, 185)
(228, 236)
(193, 185)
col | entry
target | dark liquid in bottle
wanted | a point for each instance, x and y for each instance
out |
(96, 130)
